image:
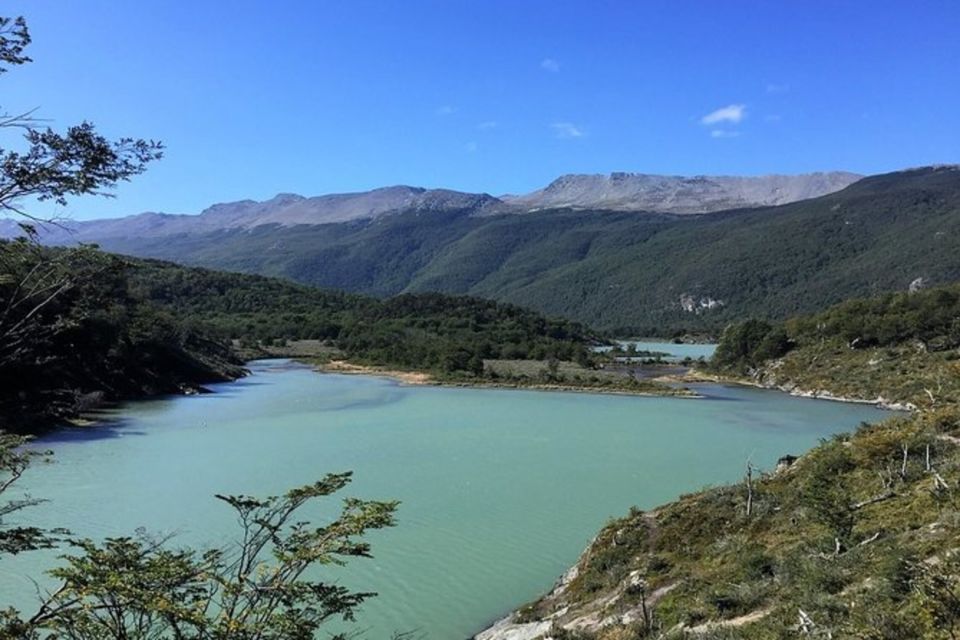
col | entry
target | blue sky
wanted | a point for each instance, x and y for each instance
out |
(256, 98)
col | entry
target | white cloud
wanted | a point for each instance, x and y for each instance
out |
(723, 133)
(470, 147)
(566, 130)
(732, 113)
(773, 87)
(445, 110)
(489, 124)
(551, 65)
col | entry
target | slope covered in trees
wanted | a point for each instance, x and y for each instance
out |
(79, 326)
(899, 347)
(641, 273)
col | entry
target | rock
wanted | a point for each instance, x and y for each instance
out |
(785, 462)
(916, 285)
(506, 629)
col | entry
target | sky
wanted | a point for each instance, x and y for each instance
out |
(499, 96)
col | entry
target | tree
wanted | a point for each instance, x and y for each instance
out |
(14, 460)
(51, 166)
(55, 166)
(138, 587)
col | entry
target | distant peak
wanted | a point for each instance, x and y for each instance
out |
(287, 197)
(625, 191)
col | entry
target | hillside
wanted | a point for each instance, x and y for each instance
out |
(855, 539)
(73, 335)
(652, 274)
(897, 348)
(81, 327)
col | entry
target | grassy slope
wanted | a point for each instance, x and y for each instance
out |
(625, 270)
(706, 568)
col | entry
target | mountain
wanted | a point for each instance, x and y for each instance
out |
(616, 270)
(619, 191)
(284, 209)
(678, 194)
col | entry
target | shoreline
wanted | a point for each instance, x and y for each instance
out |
(509, 627)
(695, 375)
(420, 378)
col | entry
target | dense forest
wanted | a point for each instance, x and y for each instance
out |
(72, 334)
(928, 318)
(635, 273)
(80, 326)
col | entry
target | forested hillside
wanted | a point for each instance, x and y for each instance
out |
(900, 347)
(73, 334)
(639, 273)
(80, 326)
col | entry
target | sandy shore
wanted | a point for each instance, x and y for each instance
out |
(421, 378)
(406, 377)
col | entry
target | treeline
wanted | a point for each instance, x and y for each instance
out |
(930, 318)
(422, 331)
(72, 335)
(79, 326)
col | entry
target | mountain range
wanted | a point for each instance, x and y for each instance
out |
(627, 252)
(615, 192)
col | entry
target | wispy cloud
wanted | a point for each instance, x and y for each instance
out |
(566, 130)
(723, 133)
(551, 65)
(773, 87)
(445, 110)
(732, 113)
(470, 147)
(488, 124)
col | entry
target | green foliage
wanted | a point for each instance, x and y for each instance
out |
(14, 460)
(54, 166)
(749, 344)
(930, 317)
(72, 335)
(825, 493)
(446, 334)
(261, 589)
(79, 326)
(903, 347)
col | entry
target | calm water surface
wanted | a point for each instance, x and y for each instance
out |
(675, 351)
(501, 490)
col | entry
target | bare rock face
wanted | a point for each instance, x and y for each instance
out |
(679, 194)
(284, 209)
(692, 304)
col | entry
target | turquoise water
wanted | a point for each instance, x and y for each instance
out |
(501, 489)
(676, 351)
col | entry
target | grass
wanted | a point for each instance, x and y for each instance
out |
(730, 575)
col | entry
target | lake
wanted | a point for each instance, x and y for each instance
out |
(501, 489)
(676, 351)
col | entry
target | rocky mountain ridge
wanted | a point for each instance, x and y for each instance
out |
(680, 194)
(616, 192)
